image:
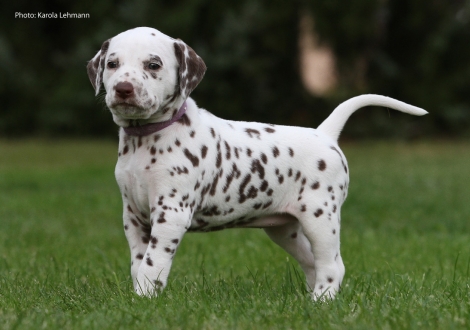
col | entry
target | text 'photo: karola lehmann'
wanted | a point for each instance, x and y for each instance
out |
(51, 15)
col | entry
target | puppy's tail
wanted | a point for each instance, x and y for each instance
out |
(333, 125)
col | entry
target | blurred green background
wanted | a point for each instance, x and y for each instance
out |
(415, 50)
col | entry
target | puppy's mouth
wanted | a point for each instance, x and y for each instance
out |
(129, 110)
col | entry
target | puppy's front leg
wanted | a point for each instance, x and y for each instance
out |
(138, 230)
(169, 224)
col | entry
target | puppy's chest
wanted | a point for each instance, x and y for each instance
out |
(131, 178)
(142, 163)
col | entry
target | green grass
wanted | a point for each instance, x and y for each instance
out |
(64, 260)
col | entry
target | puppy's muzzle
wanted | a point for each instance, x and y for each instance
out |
(124, 90)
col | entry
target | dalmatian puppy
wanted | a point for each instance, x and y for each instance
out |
(181, 169)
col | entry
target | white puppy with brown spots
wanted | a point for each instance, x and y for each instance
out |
(182, 169)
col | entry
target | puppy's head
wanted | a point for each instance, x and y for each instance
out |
(146, 74)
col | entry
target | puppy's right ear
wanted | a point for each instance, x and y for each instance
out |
(95, 67)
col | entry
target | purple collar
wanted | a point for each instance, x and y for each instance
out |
(148, 129)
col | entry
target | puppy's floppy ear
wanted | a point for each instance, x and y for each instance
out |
(191, 68)
(96, 66)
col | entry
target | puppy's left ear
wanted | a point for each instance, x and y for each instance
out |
(191, 68)
(95, 67)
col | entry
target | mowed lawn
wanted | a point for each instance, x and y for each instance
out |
(64, 260)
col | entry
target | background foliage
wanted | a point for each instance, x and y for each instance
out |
(416, 51)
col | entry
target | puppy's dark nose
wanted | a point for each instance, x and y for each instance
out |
(124, 90)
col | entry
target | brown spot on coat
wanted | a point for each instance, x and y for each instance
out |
(227, 150)
(257, 167)
(252, 132)
(297, 176)
(161, 219)
(230, 178)
(241, 190)
(264, 186)
(318, 213)
(268, 204)
(171, 251)
(184, 120)
(264, 158)
(276, 152)
(193, 159)
(218, 159)
(203, 152)
(214, 185)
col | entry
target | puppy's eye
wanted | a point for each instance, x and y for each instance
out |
(154, 66)
(112, 65)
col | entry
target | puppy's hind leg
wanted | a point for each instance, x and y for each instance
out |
(291, 238)
(322, 230)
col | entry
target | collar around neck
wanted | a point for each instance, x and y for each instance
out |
(151, 128)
